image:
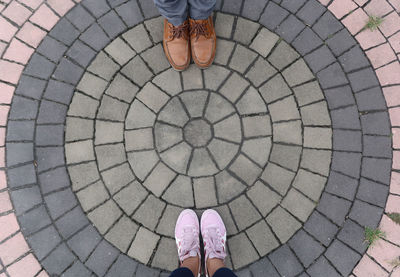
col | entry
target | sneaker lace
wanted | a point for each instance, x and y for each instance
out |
(199, 29)
(190, 243)
(214, 244)
(179, 31)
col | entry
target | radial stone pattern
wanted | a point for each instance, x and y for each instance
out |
(251, 137)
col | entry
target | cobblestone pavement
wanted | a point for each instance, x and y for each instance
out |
(292, 135)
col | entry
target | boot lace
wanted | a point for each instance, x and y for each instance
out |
(199, 29)
(214, 244)
(190, 243)
(180, 31)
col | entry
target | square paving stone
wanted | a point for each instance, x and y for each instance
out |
(308, 93)
(251, 103)
(155, 27)
(140, 139)
(252, 9)
(298, 205)
(297, 73)
(95, 37)
(286, 155)
(316, 161)
(371, 99)
(365, 214)
(315, 137)
(143, 245)
(278, 178)
(80, 151)
(326, 25)
(309, 183)
(149, 212)
(80, 17)
(44, 242)
(319, 58)
(232, 7)
(51, 49)
(92, 196)
(377, 146)
(223, 25)
(244, 212)
(372, 192)
(340, 42)
(290, 28)
(120, 51)
(306, 248)
(353, 235)
(274, 89)
(51, 112)
(353, 59)
(262, 267)
(334, 208)
(40, 67)
(363, 79)
(122, 267)
(68, 72)
(149, 8)
(108, 132)
(49, 135)
(104, 216)
(224, 51)
(81, 53)
(34, 220)
(342, 257)
(242, 250)
(139, 77)
(156, 59)
(311, 11)
(180, 192)
(138, 38)
(83, 174)
(263, 239)
(23, 108)
(322, 268)
(285, 261)
(227, 186)
(283, 224)
(122, 233)
(143, 270)
(214, 76)
(347, 140)
(192, 78)
(49, 157)
(170, 81)
(130, 13)
(332, 76)
(264, 42)
(152, 97)
(375, 123)
(77, 269)
(234, 87)
(112, 109)
(306, 41)
(292, 6)
(112, 24)
(347, 163)
(341, 185)
(122, 88)
(346, 118)
(30, 87)
(71, 222)
(64, 31)
(204, 192)
(20, 176)
(78, 129)
(257, 126)
(245, 30)
(142, 162)
(20, 130)
(18, 153)
(60, 202)
(84, 242)
(130, 197)
(102, 258)
(288, 132)
(26, 198)
(165, 256)
(242, 58)
(166, 226)
(245, 169)
(283, 55)
(260, 72)
(103, 66)
(117, 177)
(321, 228)
(273, 15)
(226, 216)
(285, 109)
(159, 179)
(110, 155)
(59, 260)
(92, 85)
(59, 92)
(339, 97)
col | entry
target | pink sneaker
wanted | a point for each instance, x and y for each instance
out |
(214, 236)
(187, 236)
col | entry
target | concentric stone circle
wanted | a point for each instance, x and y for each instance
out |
(238, 138)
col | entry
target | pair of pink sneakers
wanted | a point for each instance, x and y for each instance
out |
(187, 232)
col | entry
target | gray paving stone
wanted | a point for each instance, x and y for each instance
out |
(340, 42)
(257, 126)
(363, 79)
(372, 192)
(51, 49)
(347, 163)
(342, 257)
(263, 239)
(214, 76)
(319, 58)
(58, 91)
(252, 9)
(228, 129)
(102, 258)
(353, 235)
(112, 24)
(97, 8)
(342, 185)
(18, 153)
(80, 151)
(122, 233)
(321, 228)
(334, 208)
(347, 140)
(245, 30)
(337, 97)
(285, 261)
(316, 161)
(122, 88)
(223, 51)
(104, 216)
(192, 78)
(159, 179)
(49, 135)
(346, 118)
(77, 270)
(20, 130)
(371, 99)
(273, 15)
(326, 25)
(226, 216)
(227, 186)
(138, 38)
(78, 129)
(64, 31)
(316, 137)
(283, 224)
(166, 226)
(22, 175)
(131, 70)
(297, 204)
(274, 89)
(92, 85)
(149, 8)
(83, 174)
(353, 59)
(51, 112)
(245, 169)
(83, 243)
(130, 197)
(375, 123)
(60, 202)
(244, 212)
(142, 162)
(44, 241)
(306, 248)
(169, 81)
(332, 76)
(30, 87)
(306, 41)
(149, 212)
(297, 73)
(322, 267)
(83, 106)
(290, 27)
(286, 155)
(130, 13)
(167, 136)
(48, 157)
(278, 178)
(194, 102)
(24, 199)
(283, 55)
(204, 192)
(95, 37)
(123, 267)
(39, 66)
(258, 150)
(34, 220)
(155, 28)
(285, 109)
(242, 58)
(232, 7)
(92, 196)
(308, 93)
(292, 6)
(71, 222)
(156, 59)
(309, 183)
(234, 87)
(178, 157)
(310, 12)
(103, 66)
(59, 260)
(120, 51)
(245, 272)
(241, 244)
(377, 146)
(23, 108)
(251, 103)
(81, 53)
(365, 214)
(143, 245)
(262, 267)
(264, 42)
(260, 72)
(108, 132)
(263, 198)
(180, 192)
(143, 270)
(139, 116)
(288, 132)
(152, 97)
(110, 155)
(140, 139)
(112, 109)
(165, 256)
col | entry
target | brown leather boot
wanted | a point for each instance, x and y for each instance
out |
(176, 44)
(203, 41)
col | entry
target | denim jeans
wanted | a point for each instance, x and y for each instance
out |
(185, 272)
(177, 11)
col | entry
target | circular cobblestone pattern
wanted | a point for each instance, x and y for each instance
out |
(274, 136)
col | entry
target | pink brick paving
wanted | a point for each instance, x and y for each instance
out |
(382, 48)
(24, 23)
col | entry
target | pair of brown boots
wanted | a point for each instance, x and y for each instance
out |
(193, 38)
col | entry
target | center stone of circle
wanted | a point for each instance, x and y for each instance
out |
(197, 132)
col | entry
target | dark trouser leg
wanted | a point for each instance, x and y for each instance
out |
(201, 9)
(175, 11)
